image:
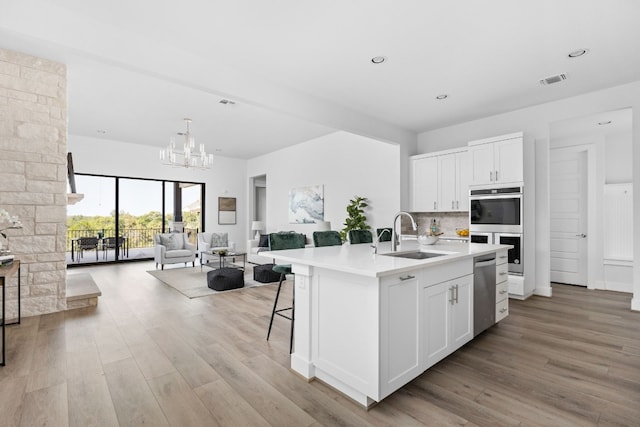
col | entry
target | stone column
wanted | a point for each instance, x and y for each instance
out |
(33, 173)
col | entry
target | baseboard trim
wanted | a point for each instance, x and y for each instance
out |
(635, 304)
(543, 291)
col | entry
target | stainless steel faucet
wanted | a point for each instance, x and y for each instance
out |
(374, 245)
(394, 235)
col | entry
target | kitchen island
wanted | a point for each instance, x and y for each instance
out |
(367, 324)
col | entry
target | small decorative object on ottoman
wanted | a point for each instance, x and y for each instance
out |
(223, 279)
(264, 274)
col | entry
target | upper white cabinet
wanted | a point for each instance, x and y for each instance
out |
(440, 181)
(497, 160)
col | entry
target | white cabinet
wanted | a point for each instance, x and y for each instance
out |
(447, 318)
(440, 182)
(502, 286)
(497, 160)
(399, 329)
(424, 179)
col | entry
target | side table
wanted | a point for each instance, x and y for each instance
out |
(7, 271)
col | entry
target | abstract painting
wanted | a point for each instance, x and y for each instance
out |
(306, 205)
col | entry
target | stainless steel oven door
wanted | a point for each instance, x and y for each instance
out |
(496, 213)
(516, 264)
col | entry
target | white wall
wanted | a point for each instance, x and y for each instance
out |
(618, 167)
(227, 178)
(346, 165)
(534, 121)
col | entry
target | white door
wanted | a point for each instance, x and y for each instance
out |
(436, 306)
(425, 184)
(568, 205)
(447, 175)
(462, 311)
(508, 160)
(481, 159)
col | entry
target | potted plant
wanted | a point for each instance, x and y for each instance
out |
(356, 219)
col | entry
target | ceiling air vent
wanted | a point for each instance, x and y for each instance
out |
(553, 79)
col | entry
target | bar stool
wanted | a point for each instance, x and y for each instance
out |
(277, 242)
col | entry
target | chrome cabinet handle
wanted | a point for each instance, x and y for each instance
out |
(434, 206)
(581, 235)
(503, 257)
(453, 204)
(456, 288)
(502, 292)
(490, 176)
(452, 300)
(503, 273)
(407, 277)
(457, 204)
(496, 176)
(503, 310)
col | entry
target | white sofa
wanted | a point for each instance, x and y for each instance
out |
(172, 248)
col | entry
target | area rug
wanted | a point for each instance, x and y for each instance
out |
(192, 283)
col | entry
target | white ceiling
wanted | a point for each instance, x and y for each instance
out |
(299, 69)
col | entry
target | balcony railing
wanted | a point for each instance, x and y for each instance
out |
(136, 237)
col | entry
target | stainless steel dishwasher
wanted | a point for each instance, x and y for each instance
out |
(484, 292)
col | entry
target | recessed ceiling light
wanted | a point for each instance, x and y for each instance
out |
(578, 53)
(378, 59)
(101, 132)
(441, 97)
(608, 122)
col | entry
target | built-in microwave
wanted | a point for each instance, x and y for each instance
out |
(496, 210)
(514, 255)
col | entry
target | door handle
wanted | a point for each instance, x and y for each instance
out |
(582, 235)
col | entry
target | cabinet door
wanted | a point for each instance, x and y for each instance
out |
(481, 157)
(436, 308)
(400, 358)
(462, 312)
(448, 183)
(463, 178)
(508, 160)
(425, 184)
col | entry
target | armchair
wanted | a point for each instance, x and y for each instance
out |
(172, 248)
(213, 242)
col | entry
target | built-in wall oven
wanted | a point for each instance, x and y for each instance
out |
(514, 239)
(496, 209)
(495, 217)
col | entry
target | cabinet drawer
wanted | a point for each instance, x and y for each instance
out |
(502, 291)
(502, 273)
(501, 257)
(502, 309)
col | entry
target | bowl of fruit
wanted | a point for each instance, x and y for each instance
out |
(462, 232)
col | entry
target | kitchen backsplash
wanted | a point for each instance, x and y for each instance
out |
(448, 222)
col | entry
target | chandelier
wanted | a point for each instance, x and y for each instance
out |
(188, 157)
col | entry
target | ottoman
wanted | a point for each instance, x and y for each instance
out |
(225, 278)
(264, 274)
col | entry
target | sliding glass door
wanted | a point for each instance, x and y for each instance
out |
(119, 217)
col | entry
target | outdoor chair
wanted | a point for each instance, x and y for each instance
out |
(87, 244)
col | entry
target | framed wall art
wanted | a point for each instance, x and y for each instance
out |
(226, 210)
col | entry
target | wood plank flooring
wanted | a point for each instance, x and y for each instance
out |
(147, 355)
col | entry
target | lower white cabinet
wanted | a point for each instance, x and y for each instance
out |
(399, 327)
(447, 310)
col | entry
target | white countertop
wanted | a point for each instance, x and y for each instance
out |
(359, 259)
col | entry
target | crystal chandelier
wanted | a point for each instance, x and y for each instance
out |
(188, 157)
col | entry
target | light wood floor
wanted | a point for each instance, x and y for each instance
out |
(147, 355)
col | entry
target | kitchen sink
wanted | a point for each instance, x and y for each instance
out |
(415, 254)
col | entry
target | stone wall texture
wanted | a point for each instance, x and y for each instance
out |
(33, 177)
